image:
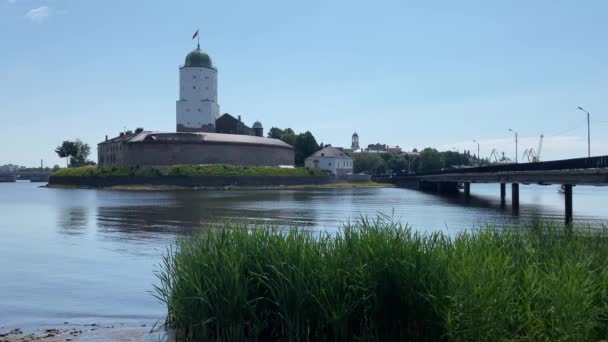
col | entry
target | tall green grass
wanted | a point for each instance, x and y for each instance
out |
(379, 281)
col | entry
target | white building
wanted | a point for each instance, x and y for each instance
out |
(197, 107)
(332, 160)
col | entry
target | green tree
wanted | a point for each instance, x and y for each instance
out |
(275, 133)
(66, 150)
(305, 144)
(76, 153)
(83, 152)
(370, 163)
(289, 136)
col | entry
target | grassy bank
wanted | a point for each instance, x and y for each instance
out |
(186, 170)
(378, 281)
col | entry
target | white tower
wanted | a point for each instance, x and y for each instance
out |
(197, 108)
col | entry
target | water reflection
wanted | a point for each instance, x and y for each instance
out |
(184, 212)
(72, 220)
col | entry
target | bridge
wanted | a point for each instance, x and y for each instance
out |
(567, 173)
(32, 176)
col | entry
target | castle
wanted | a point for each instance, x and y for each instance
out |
(202, 136)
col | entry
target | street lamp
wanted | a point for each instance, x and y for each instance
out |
(516, 156)
(588, 133)
(478, 156)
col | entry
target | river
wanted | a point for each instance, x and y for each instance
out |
(89, 255)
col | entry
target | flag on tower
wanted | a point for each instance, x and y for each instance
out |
(195, 34)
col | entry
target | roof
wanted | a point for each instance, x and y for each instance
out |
(198, 58)
(197, 138)
(329, 152)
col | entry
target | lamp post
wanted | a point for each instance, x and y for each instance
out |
(588, 132)
(516, 155)
(478, 156)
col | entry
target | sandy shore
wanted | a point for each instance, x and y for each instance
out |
(88, 333)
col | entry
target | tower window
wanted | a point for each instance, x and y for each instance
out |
(199, 109)
(193, 87)
(194, 76)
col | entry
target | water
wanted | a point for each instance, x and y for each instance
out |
(89, 255)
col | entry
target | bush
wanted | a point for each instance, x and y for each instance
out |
(186, 170)
(107, 171)
(233, 170)
(379, 281)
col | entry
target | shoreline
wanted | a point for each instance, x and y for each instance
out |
(87, 332)
(150, 187)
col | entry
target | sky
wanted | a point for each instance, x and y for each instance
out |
(413, 74)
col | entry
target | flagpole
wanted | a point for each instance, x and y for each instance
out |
(198, 39)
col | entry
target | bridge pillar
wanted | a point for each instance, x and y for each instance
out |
(515, 196)
(467, 189)
(568, 202)
(503, 193)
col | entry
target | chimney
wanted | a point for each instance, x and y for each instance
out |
(139, 130)
(106, 137)
(122, 134)
(239, 118)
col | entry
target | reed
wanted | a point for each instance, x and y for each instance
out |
(376, 280)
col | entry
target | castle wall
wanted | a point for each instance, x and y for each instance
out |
(172, 153)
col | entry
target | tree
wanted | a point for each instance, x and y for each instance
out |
(66, 150)
(275, 133)
(305, 144)
(289, 136)
(370, 163)
(83, 152)
(76, 153)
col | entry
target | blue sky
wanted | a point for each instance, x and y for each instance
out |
(413, 74)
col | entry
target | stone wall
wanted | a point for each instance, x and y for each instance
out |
(173, 153)
(188, 181)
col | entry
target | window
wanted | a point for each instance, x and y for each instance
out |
(199, 109)
(193, 87)
(194, 76)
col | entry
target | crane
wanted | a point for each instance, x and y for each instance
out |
(540, 148)
(497, 158)
(532, 155)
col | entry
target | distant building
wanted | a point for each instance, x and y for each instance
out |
(228, 124)
(201, 137)
(355, 142)
(383, 148)
(9, 168)
(331, 159)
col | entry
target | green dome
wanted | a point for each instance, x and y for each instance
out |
(198, 58)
